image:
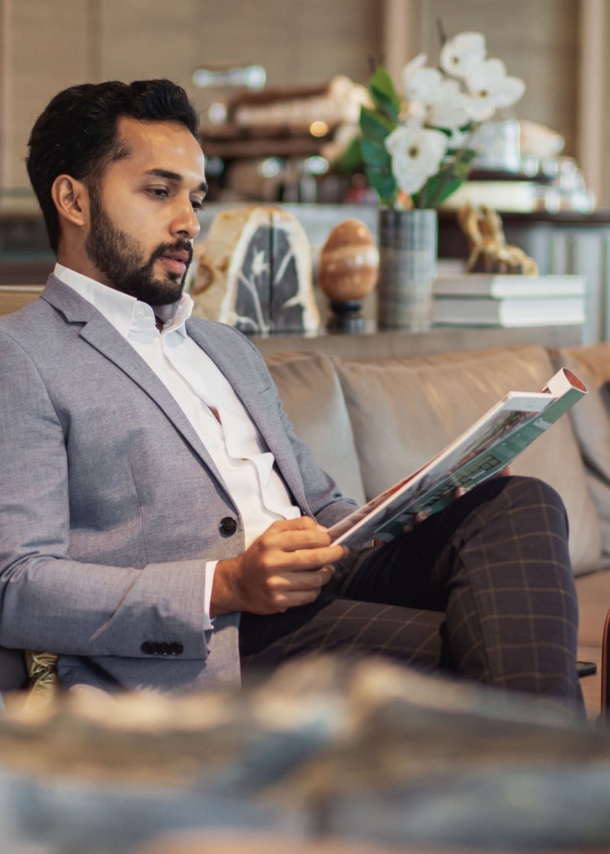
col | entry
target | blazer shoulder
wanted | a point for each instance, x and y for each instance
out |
(26, 322)
(215, 328)
(221, 334)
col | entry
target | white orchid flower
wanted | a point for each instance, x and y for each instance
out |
(421, 84)
(490, 87)
(451, 111)
(463, 53)
(413, 114)
(416, 155)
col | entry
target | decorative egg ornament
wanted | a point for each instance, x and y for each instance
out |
(349, 262)
(347, 272)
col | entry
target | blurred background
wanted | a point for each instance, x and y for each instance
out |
(279, 83)
(556, 46)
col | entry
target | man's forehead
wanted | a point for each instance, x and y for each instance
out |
(160, 146)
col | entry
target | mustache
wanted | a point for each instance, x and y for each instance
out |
(177, 246)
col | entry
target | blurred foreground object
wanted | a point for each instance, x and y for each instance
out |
(265, 844)
(347, 272)
(483, 228)
(349, 750)
(254, 272)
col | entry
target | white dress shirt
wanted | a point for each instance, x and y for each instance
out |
(231, 438)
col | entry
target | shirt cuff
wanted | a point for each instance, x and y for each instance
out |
(210, 569)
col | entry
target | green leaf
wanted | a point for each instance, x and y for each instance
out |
(383, 183)
(352, 159)
(462, 155)
(438, 188)
(374, 154)
(384, 94)
(374, 126)
(461, 170)
(446, 181)
(447, 189)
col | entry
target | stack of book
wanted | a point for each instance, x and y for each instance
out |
(481, 299)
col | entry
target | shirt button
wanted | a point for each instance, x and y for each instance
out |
(227, 526)
(141, 312)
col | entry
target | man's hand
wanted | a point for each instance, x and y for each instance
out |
(285, 567)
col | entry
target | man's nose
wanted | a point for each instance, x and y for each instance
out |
(185, 222)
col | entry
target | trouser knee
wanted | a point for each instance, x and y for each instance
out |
(540, 498)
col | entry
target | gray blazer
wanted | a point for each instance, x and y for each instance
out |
(110, 503)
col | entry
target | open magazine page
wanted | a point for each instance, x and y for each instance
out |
(479, 453)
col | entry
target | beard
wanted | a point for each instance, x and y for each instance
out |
(119, 257)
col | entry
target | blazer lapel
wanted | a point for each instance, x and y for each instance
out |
(245, 379)
(102, 335)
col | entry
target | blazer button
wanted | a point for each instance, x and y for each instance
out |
(166, 648)
(228, 526)
(175, 648)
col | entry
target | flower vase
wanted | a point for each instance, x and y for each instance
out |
(407, 268)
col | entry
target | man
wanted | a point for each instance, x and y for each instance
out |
(161, 520)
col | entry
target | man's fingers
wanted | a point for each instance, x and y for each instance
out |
(295, 599)
(307, 580)
(302, 523)
(301, 559)
(292, 541)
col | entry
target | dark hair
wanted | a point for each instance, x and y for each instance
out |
(77, 132)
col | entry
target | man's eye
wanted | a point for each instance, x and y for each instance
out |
(197, 205)
(161, 192)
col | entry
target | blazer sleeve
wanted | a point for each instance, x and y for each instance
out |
(47, 600)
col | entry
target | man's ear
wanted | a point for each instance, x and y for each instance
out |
(71, 199)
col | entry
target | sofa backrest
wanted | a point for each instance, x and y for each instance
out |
(312, 398)
(591, 423)
(403, 411)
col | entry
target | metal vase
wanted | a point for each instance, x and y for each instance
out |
(407, 268)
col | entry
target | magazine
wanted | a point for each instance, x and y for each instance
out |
(482, 451)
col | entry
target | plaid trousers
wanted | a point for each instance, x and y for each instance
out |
(483, 588)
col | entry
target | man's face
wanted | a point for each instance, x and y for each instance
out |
(143, 212)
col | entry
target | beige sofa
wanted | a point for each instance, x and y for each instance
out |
(368, 423)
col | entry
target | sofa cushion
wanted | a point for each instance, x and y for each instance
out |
(405, 411)
(591, 423)
(311, 395)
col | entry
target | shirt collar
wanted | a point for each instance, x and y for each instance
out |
(119, 309)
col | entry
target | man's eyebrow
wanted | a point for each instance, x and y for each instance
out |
(174, 176)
